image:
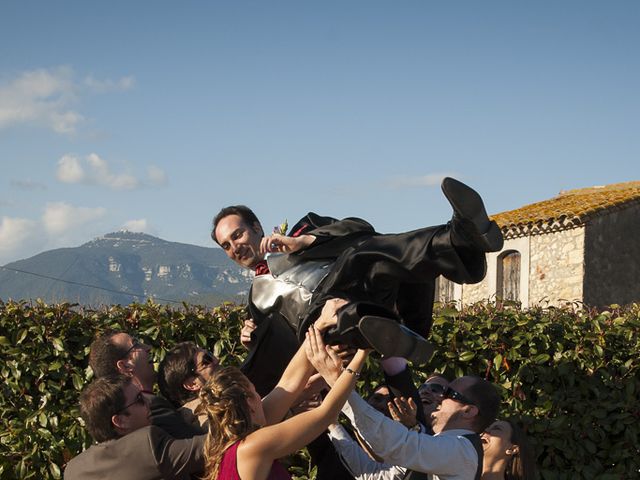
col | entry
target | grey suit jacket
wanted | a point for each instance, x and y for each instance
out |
(146, 454)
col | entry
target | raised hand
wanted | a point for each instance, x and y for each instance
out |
(329, 314)
(245, 333)
(283, 244)
(404, 411)
(323, 359)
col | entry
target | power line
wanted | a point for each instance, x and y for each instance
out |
(88, 285)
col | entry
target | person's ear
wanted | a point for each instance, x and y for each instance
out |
(192, 384)
(514, 450)
(470, 411)
(120, 422)
(125, 367)
(257, 228)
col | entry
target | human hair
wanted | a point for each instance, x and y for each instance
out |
(224, 399)
(104, 354)
(242, 211)
(99, 401)
(522, 465)
(484, 395)
(176, 367)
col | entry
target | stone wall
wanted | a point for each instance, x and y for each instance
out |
(612, 258)
(556, 267)
(486, 289)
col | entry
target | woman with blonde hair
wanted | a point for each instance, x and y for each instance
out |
(507, 453)
(245, 439)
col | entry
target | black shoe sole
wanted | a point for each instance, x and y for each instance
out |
(393, 339)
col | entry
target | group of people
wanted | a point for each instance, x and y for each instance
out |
(323, 297)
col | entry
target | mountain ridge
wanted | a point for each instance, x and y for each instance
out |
(122, 267)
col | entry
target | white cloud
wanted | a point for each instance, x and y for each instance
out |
(406, 181)
(42, 97)
(109, 85)
(70, 170)
(61, 224)
(93, 170)
(60, 218)
(140, 225)
(17, 235)
(157, 176)
(48, 97)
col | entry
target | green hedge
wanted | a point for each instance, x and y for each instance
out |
(573, 376)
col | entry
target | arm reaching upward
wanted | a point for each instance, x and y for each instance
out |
(261, 447)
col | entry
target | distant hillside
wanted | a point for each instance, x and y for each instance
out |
(136, 263)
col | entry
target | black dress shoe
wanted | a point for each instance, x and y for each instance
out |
(470, 224)
(392, 339)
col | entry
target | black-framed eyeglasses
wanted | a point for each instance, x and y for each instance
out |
(140, 400)
(434, 388)
(135, 344)
(457, 396)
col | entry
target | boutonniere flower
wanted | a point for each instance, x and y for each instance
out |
(282, 228)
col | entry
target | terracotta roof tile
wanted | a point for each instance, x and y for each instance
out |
(569, 209)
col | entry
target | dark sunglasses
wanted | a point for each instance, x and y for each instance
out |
(140, 400)
(207, 359)
(434, 388)
(457, 396)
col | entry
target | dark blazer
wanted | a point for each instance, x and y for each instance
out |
(164, 415)
(149, 453)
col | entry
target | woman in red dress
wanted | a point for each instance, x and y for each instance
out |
(246, 434)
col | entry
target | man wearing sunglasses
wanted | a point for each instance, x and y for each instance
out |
(469, 405)
(182, 373)
(117, 415)
(119, 353)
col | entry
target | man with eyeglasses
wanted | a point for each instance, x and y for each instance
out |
(469, 405)
(116, 413)
(119, 353)
(182, 373)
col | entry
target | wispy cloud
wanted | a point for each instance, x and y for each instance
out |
(60, 224)
(28, 184)
(156, 176)
(60, 217)
(109, 85)
(94, 170)
(16, 235)
(49, 98)
(421, 181)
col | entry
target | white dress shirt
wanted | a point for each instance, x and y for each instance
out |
(447, 455)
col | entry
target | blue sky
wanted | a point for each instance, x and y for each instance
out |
(154, 115)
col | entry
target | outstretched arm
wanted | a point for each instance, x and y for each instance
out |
(295, 377)
(275, 441)
(291, 384)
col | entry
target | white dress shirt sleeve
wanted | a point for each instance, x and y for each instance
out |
(359, 464)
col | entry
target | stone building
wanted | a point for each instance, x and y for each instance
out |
(583, 245)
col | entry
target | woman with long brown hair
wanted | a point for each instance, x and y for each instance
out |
(244, 437)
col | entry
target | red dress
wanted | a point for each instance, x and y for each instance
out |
(229, 467)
